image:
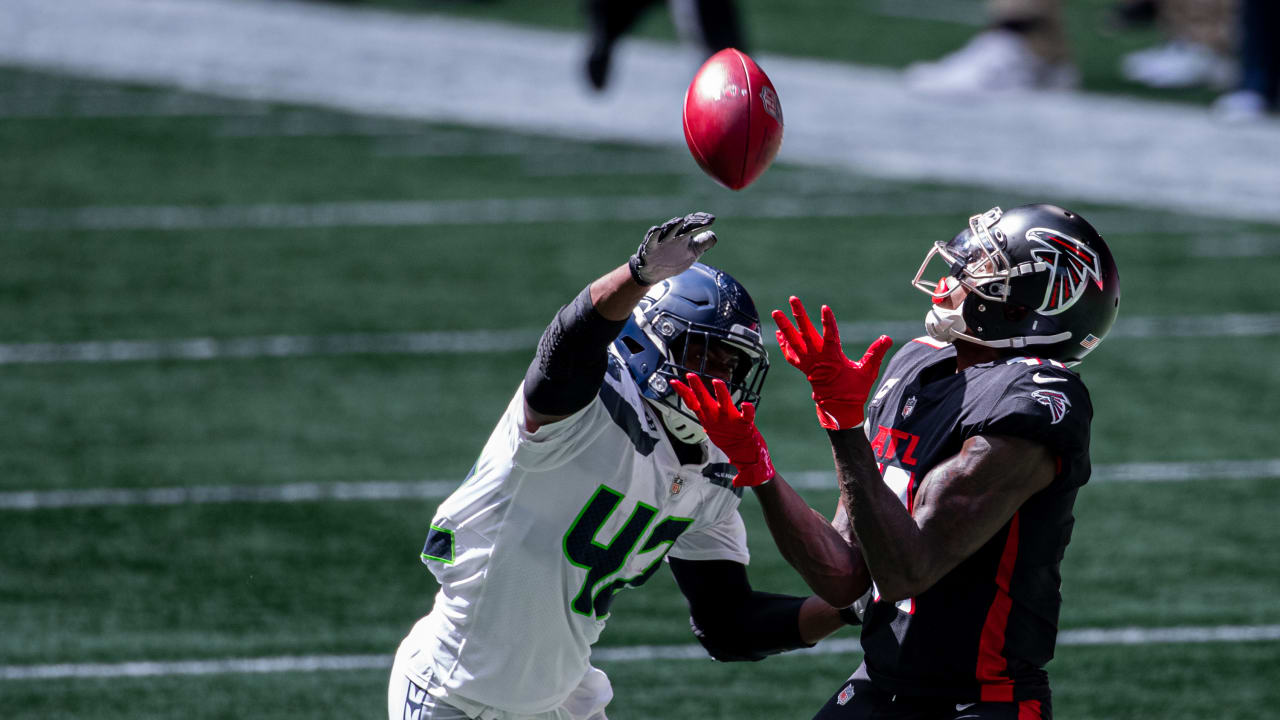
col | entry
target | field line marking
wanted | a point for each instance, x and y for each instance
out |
(411, 343)
(448, 342)
(639, 653)
(810, 192)
(219, 494)
(120, 104)
(145, 668)
(1117, 472)
(435, 489)
(489, 211)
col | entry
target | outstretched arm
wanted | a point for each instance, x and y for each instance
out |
(735, 623)
(960, 505)
(569, 365)
(829, 563)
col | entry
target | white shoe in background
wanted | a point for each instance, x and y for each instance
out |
(1240, 106)
(1179, 64)
(993, 61)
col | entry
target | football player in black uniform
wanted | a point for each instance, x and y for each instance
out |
(957, 486)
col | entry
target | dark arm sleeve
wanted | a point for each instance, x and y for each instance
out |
(570, 362)
(732, 621)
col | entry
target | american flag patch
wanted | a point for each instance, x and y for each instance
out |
(1089, 341)
(845, 694)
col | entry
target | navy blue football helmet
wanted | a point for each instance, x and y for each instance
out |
(700, 321)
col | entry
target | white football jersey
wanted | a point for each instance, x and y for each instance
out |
(548, 526)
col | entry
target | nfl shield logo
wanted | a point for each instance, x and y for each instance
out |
(845, 694)
(909, 406)
(676, 483)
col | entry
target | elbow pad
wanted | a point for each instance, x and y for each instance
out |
(571, 359)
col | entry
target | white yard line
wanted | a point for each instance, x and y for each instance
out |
(436, 489)
(218, 494)
(809, 192)
(639, 653)
(1193, 326)
(148, 668)
(1117, 472)
(412, 343)
(477, 212)
(1064, 146)
(302, 123)
(489, 341)
(1241, 245)
(82, 103)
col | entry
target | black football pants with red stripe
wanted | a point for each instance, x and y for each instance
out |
(860, 700)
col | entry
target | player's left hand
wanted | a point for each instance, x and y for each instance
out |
(672, 247)
(840, 385)
(732, 431)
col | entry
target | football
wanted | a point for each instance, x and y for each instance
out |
(732, 119)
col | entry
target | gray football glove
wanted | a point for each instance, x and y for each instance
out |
(672, 247)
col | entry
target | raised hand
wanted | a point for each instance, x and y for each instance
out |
(731, 430)
(840, 386)
(672, 247)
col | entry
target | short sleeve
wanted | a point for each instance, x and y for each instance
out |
(725, 539)
(1050, 406)
(1054, 410)
(556, 443)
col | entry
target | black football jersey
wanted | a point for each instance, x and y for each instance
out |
(986, 629)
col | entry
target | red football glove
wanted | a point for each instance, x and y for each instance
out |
(840, 386)
(732, 431)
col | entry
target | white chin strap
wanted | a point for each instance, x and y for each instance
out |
(947, 326)
(680, 427)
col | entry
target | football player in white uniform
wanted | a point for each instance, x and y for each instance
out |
(594, 474)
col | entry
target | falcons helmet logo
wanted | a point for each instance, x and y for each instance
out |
(1071, 264)
(1055, 401)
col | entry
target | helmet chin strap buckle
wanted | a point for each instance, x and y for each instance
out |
(948, 325)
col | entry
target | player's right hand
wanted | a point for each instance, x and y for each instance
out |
(840, 386)
(733, 431)
(672, 247)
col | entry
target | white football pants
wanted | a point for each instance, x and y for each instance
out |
(408, 699)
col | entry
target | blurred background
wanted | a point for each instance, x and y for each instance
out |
(271, 271)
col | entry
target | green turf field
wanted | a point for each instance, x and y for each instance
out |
(134, 583)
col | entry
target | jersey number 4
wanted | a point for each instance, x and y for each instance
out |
(602, 562)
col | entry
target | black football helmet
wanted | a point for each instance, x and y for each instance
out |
(683, 325)
(1038, 276)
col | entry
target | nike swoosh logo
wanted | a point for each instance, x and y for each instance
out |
(1046, 379)
(964, 706)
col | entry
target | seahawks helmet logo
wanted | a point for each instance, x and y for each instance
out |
(1071, 264)
(1056, 402)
